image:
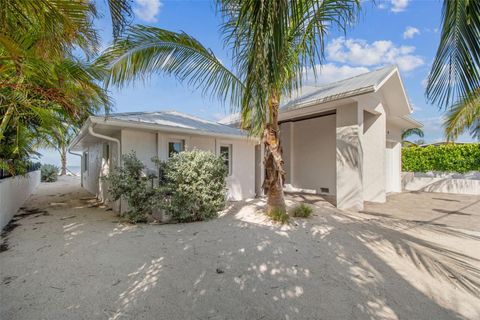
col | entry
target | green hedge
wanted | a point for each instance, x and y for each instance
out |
(449, 158)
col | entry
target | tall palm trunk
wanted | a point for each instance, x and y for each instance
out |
(5, 120)
(274, 173)
(63, 160)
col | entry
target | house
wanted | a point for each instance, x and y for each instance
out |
(342, 140)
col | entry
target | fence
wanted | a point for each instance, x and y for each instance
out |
(13, 193)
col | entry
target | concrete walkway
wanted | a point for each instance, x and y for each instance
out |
(66, 257)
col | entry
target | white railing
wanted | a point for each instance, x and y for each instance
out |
(13, 193)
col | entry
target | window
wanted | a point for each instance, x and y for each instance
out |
(85, 161)
(175, 146)
(226, 154)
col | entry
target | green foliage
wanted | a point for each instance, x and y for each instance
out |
(279, 215)
(196, 185)
(302, 211)
(49, 173)
(130, 183)
(449, 158)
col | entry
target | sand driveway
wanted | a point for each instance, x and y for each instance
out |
(66, 257)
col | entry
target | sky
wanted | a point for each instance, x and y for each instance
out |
(401, 32)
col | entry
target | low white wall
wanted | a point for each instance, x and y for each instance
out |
(442, 182)
(13, 193)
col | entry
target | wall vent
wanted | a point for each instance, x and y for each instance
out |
(324, 190)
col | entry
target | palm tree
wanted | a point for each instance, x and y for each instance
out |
(42, 84)
(454, 80)
(273, 42)
(58, 139)
(411, 132)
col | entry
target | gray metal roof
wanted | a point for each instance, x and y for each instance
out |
(338, 90)
(176, 120)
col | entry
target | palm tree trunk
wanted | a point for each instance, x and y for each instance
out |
(5, 121)
(274, 173)
(63, 160)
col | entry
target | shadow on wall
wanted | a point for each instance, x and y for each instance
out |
(440, 184)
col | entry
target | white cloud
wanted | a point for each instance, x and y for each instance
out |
(147, 10)
(399, 5)
(330, 72)
(361, 53)
(410, 32)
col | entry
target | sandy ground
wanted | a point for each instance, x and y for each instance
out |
(72, 259)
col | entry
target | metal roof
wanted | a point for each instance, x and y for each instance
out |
(175, 120)
(360, 84)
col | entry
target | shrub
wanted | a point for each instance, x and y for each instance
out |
(459, 158)
(302, 211)
(279, 215)
(49, 173)
(195, 183)
(130, 183)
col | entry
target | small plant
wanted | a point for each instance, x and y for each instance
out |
(302, 211)
(195, 185)
(279, 215)
(49, 173)
(130, 183)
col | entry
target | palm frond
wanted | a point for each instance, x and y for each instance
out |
(412, 132)
(143, 51)
(455, 70)
(464, 116)
(121, 14)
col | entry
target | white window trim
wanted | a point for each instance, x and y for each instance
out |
(230, 156)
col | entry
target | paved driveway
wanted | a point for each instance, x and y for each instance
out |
(440, 209)
(67, 257)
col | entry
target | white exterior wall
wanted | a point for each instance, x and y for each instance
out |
(393, 152)
(13, 193)
(91, 175)
(441, 182)
(374, 166)
(349, 157)
(286, 141)
(240, 184)
(98, 167)
(143, 143)
(310, 156)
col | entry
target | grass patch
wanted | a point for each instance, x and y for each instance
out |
(302, 211)
(279, 215)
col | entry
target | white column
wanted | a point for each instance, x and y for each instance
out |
(374, 144)
(349, 157)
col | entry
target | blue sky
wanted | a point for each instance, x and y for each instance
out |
(402, 32)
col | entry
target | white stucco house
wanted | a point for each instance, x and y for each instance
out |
(342, 140)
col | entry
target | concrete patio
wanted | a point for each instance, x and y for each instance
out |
(67, 257)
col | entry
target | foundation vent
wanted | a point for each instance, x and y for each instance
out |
(324, 190)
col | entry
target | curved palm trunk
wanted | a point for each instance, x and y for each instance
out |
(274, 173)
(63, 160)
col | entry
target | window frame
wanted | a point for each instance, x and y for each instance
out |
(181, 141)
(85, 161)
(230, 156)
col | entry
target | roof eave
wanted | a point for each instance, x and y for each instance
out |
(80, 134)
(155, 126)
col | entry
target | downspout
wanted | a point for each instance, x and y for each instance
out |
(101, 136)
